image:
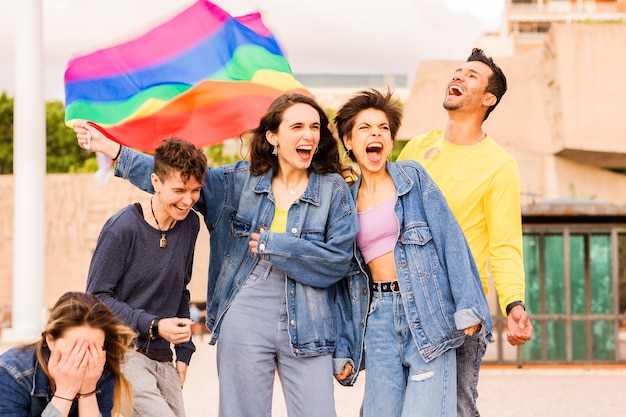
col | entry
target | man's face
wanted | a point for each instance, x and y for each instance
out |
(466, 89)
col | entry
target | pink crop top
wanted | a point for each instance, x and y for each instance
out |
(378, 230)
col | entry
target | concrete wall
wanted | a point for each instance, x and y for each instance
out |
(590, 78)
(563, 117)
(76, 209)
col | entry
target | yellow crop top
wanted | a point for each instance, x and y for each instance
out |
(279, 224)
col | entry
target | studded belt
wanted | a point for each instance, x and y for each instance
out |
(391, 286)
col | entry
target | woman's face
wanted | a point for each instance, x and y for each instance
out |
(78, 353)
(370, 140)
(297, 138)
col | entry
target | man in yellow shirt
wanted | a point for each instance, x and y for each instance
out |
(481, 183)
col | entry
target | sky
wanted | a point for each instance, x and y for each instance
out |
(317, 36)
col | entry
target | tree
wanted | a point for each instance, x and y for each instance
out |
(62, 152)
(6, 134)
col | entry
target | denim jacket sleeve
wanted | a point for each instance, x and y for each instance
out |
(352, 303)
(135, 167)
(465, 284)
(323, 258)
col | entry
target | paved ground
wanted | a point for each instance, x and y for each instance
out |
(504, 392)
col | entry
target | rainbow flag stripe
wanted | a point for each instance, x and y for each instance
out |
(204, 76)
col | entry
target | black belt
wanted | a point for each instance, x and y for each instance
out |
(392, 286)
(159, 355)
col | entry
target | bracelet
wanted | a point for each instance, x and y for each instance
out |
(63, 398)
(513, 305)
(154, 328)
(89, 394)
(119, 151)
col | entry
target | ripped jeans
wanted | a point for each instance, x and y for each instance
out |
(398, 383)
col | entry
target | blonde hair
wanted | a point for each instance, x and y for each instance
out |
(77, 309)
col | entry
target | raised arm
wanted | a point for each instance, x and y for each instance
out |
(92, 139)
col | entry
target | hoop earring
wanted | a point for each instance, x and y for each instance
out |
(275, 151)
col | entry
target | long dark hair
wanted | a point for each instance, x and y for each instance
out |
(326, 158)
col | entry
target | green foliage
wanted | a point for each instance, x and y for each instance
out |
(227, 152)
(398, 145)
(6, 134)
(62, 152)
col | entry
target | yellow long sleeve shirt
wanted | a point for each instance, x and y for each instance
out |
(481, 184)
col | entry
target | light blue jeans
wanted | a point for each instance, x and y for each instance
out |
(469, 356)
(254, 344)
(156, 386)
(398, 383)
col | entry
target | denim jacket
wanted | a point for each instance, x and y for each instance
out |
(25, 388)
(314, 253)
(441, 289)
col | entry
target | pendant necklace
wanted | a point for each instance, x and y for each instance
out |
(163, 240)
(291, 191)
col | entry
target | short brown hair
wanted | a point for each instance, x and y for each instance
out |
(363, 100)
(178, 155)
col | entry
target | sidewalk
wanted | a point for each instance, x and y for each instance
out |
(504, 392)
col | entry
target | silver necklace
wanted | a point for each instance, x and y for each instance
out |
(291, 191)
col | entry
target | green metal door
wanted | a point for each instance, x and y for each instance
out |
(569, 294)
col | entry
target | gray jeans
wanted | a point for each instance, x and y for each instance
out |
(156, 387)
(468, 358)
(254, 345)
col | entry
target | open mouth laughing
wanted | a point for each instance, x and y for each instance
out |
(374, 151)
(304, 151)
(455, 90)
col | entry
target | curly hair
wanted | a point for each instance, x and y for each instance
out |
(326, 158)
(78, 309)
(176, 154)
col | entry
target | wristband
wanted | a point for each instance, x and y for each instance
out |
(154, 328)
(63, 398)
(513, 305)
(88, 394)
(119, 151)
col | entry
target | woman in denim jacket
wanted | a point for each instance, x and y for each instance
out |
(426, 294)
(281, 230)
(74, 369)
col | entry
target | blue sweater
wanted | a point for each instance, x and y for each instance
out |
(138, 280)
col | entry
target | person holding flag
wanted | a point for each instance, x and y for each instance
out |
(282, 226)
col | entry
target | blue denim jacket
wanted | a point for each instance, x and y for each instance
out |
(441, 289)
(25, 388)
(314, 253)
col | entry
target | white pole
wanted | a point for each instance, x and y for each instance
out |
(29, 176)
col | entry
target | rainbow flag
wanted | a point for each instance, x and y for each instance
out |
(204, 76)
